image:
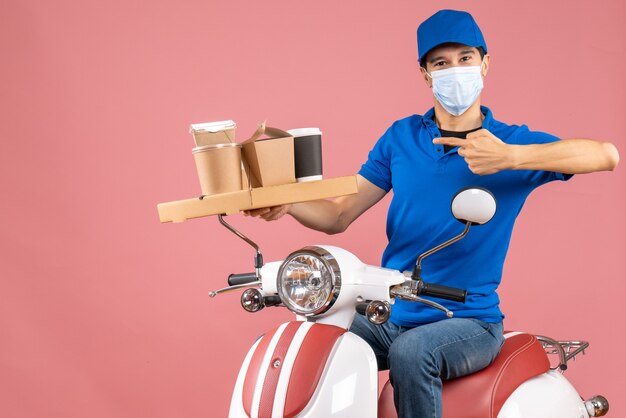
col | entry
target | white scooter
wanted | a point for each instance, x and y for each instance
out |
(314, 367)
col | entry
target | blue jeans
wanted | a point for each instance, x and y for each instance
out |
(419, 358)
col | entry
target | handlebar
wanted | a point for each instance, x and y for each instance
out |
(442, 292)
(242, 278)
(361, 308)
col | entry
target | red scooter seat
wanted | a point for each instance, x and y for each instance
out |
(482, 394)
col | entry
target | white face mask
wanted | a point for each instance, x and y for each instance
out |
(457, 88)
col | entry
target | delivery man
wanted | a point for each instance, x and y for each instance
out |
(426, 160)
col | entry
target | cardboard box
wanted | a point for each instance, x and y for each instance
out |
(268, 157)
(211, 133)
(230, 203)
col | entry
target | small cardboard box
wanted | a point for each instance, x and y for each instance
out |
(268, 155)
(212, 133)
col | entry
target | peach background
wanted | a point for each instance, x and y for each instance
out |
(104, 311)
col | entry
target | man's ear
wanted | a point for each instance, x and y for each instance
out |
(486, 61)
(427, 79)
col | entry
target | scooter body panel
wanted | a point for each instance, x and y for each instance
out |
(236, 403)
(347, 385)
(549, 395)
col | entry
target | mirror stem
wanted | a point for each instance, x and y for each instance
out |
(258, 259)
(417, 271)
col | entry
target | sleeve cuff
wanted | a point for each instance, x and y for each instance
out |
(373, 178)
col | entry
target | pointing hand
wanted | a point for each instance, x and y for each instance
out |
(483, 152)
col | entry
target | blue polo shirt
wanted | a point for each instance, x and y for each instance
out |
(424, 180)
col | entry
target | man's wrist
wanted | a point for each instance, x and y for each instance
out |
(516, 156)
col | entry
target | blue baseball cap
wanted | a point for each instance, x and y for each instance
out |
(448, 26)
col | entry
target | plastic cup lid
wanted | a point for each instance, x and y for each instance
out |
(304, 131)
(212, 126)
(215, 146)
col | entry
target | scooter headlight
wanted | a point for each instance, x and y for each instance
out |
(309, 281)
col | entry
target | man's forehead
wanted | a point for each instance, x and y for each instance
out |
(452, 48)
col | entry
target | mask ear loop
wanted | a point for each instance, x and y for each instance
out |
(481, 64)
(427, 73)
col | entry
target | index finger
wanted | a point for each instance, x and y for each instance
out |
(446, 140)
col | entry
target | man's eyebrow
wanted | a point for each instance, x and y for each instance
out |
(440, 57)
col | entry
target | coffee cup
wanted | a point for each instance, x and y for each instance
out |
(307, 146)
(219, 168)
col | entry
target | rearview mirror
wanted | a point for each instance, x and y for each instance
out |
(475, 205)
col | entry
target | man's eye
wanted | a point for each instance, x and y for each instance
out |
(466, 58)
(439, 63)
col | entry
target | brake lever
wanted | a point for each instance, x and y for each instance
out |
(435, 305)
(405, 294)
(234, 287)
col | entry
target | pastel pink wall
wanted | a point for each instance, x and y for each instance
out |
(104, 311)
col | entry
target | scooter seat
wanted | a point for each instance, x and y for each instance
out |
(482, 394)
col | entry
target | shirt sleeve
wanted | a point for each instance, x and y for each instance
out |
(527, 137)
(377, 168)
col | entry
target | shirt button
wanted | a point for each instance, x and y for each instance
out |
(439, 149)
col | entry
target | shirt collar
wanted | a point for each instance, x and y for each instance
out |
(429, 118)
